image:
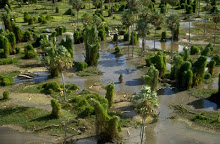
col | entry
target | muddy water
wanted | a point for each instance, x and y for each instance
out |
(111, 66)
(9, 136)
(162, 45)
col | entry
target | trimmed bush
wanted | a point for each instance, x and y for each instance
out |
(47, 87)
(68, 44)
(6, 81)
(29, 52)
(12, 40)
(199, 70)
(27, 36)
(102, 34)
(17, 50)
(206, 51)
(6, 61)
(26, 17)
(80, 66)
(6, 47)
(216, 58)
(117, 50)
(56, 109)
(71, 87)
(211, 66)
(6, 95)
(78, 37)
(194, 50)
(164, 36)
(57, 10)
(69, 12)
(18, 33)
(207, 76)
(110, 93)
(31, 21)
(115, 38)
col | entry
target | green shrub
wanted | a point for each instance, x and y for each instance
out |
(106, 7)
(189, 9)
(102, 34)
(17, 50)
(164, 36)
(6, 81)
(29, 52)
(210, 46)
(207, 76)
(78, 37)
(109, 13)
(110, 93)
(117, 50)
(69, 12)
(134, 38)
(80, 65)
(6, 47)
(206, 51)
(199, 70)
(199, 117)
(6, 95)
(47, 87)
(115, 38)
(56, 108)
(194, 50)
(72, 87)
(57, 9)
(26, 17)
(18, 33)
(211, 66)
(60, 30)
(216, 58)
(31, 21)
(6, 61)
(126, 36)
(12, 40)
(27, 36)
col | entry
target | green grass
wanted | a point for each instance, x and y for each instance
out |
(7, 61)
(90, 71)
(201, 93)
(10, 74)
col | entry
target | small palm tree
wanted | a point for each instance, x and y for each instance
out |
(216, 20)
(59, 59)
(146, 102)
(172, 21)
(77, 5)
(157, 20)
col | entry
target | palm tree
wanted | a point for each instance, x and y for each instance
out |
(146, 102)
(127, 21)
(59, 59)
(77, 4)
(172, 21)
(157, 20)
(207, 9)
(216, 20)
(143, 27)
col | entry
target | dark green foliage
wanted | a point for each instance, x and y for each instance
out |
(109, 13)
(31, 21)
(7, 20)
(115, 38)
(26, 17)
(117, 50)
(91, 42)
(6, 47)
(126, 36)
(122, 8)
(194, 50)
(164, 36)
(207, 76)
(78, 37)
(60, 30)
(6, 95)
(219, 83)
(163, 9)
(206, 51)
(80, 65)
(12, 41)
(210, 46)
(198, 117)
(199, 70)
(6, 61)
(68, 44)
(27, 36)
(110, 93)
(134, 38)
(151, 78)
(216, 58)
(71, 87)
(56, 109)
(19, 34)
(106, 127)
(47, 87)
(29, 52)
(69, 12)
(102, 34)
(57, 10)
(6, 81)
(42, 19)
(194, 6)
(106, 7)
(176, 32)
(159, 61)
(211, 66)
(17, 50)
(177, 63)
(185, 54)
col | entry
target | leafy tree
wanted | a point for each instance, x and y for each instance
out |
(146, 102)
(199, 70)
(177, 63)
(12, 40)
(151, 78)
(58, 60)
(6, 47)
(91, 42)
(77, 5)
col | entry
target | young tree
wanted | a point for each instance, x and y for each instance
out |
(110, 92)
(146, 102)
(58, 60)
(151, 78)
(173, 22)
(77, 5)
(216, 20)
(157, 20)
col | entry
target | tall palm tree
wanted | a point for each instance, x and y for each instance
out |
(157, 20)
(172, 21)
(216, 20)
(77, 5)
(59, 59)
(127, 21)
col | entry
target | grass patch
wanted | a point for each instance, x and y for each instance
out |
(10, 74)
(7, 61)
(201, 93)
(90, 71)
(28, 89)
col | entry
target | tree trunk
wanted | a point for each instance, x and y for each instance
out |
(199, 9)
(64, 91)
(143, 130)
(205, 23)
(101, 7)
(90, 5)
(172, 46)
(109, 5)
(133, 42)
(154, 40)
(189, 31)
(143, 43)
(77, 19)
(128, 42)
(215, 33)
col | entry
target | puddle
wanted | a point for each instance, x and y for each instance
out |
(203, 104)
(9, 136)
(38, 77)
(162, 45)
(185, 24)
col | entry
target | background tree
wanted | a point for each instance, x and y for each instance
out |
(157, 20)
(146, 102)
(216, 20)
(58, 60)
(173, 22)
(207, 8)
(77, 5)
